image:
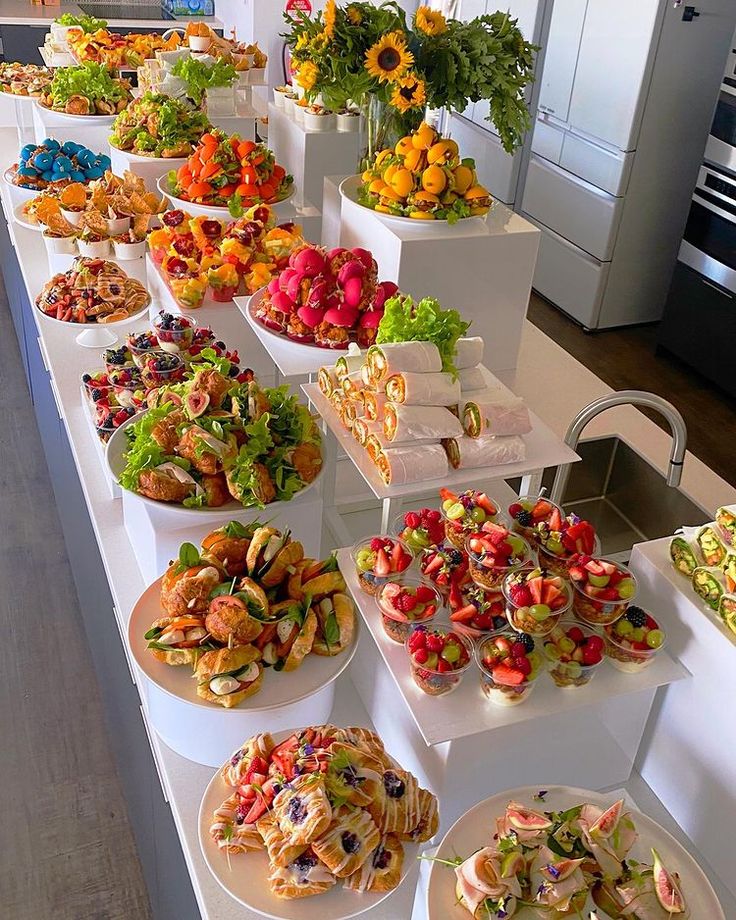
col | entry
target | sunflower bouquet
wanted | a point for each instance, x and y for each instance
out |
(368, 56)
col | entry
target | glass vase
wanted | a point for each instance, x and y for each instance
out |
(384, 126)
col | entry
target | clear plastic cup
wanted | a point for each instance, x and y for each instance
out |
(451, 569)
(398, 527)
(174, 331)
(527, 531)
(140, 345)
(521, 618)
(368, 580)
(628, 660)
(496, 688)
(488, 576)
(457, 529)
(569, 675)
(432, 681)
(559, 565)
(398, 625)
(596, 612)
(489, 612)
(161, 368)
(95, 391)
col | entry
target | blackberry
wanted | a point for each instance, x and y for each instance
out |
(526, 640)
(86, 378)
(455, 556)
(96, 394)
(525, 518)
(636, 616)
(220, 345)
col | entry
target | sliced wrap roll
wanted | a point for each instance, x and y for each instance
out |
(412, 389)
(362, 427)
(727, 610)
(472, 379)
(393, 358)
(406, 423)
(684, 553)
(466, 453)
(710, 544)
(726, 520)
(347, 364)
(468, 351)
(377, 442)
(374, 405)
(502, 415)
(327, 381)
(709, 583)
(399, 465)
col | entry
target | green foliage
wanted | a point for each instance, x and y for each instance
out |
(93, 81)
(426, 321)
(199, 77)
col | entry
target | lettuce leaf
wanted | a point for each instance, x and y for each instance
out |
(144, 453)
(199, 77)
(426, 321)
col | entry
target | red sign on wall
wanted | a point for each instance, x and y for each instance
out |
(303, 5)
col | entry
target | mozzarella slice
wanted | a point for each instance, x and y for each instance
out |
(221, 686)
(171, 638)
(196, 633)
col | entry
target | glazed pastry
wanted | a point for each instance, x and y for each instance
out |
(230, 623)
(177, 640)
(382, 870)
(235, 769)
(368, 741)
(270, 554)
(230, 833)
(187, 590)
(335, 624)
(400, 810)
(348, 841)
(355, 775)
(429, 819)
(304, 877)
(281, 851)
(229, 675)
(229, 546)
(302, 809)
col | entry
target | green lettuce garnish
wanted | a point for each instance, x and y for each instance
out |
(93, 81)
(144, 453)
(85, 23)
(426, 321)
(157, 124)
(199, 77)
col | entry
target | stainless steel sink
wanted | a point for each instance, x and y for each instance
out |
(624, 497)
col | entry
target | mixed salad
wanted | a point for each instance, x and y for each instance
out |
(89, 89)
(155, 125)
(199, 76)
(85, 23)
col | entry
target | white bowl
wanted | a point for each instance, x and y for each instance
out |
(314, 122)
(298, 89)
(94, 329)
(150, 169)
(60, 245)
(128, 251)
(279, 97)
(348, 122)
(72, 217)
(116, 225)
(298, 114)
(207, 210)
(199, 42)
(289, 105)
(99, 250)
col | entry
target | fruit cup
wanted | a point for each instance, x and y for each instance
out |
(535, 601)
(493, 553)
(175, 332)
(404, 603)
(509, 667)
(530, 510)
(116, 359)
(573, 652)
(141, 344)
(445, 566)
(465, 513)
(439, 658)
(558, 538)
(161, 368)
(378, 560)
(603, 590)
(633, 641)
(475, 612)
(96, 386)
(419, 529)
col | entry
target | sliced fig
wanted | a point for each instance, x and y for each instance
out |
(608, 821)
(526, 819)
(171, 397)
(666, 887)
(560, 870)
(195, 404)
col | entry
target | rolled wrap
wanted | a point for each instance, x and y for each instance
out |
(711, 547)
(709, 583)
(726, 520)
(375, 404)
(377, 442)
(347, 364)
(400, 465)
(362, 427)
(471, 453)
(727, 610)
(684, 553)
(353, 386)
(502, 415)
(423, 389)
(393, 358)
(405, 423)
(471, 378)
(468, 351)
(327, 381)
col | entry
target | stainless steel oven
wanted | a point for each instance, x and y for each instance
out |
(709, 243)
(721, 145)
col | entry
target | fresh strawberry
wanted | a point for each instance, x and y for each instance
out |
(424, 594)
(464, 614)
(435, 562)
(397, 556)
(555, 520)
(536, 587)
(256, 811)
(383, 564)
(541, 510)
(506, 675)
(412, 519)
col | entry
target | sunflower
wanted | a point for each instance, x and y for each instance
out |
(301, 42)
(408, 93)
(388, 59)
(430, 21)
(307, 75)
(328, 18)
(354, 15)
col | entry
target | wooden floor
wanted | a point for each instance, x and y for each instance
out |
(626, 359)
(66, 848)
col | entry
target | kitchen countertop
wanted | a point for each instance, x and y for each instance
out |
(22, 12)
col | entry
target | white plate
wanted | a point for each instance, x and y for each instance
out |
(92, 119)
(118, 444)
(207, 210)
(349, 190)
(19, 191)
(23, 221)
(476, 827)
(280, 688)
(312, 351)
(82, 326)
(246, 877)
(171, 162)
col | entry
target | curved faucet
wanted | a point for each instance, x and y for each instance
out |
(627, 398)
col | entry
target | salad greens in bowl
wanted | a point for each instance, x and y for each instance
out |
(155, 125)
(87, 89)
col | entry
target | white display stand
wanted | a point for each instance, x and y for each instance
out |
(133, 268)
(309, 155)
(687, 756)
(92, 131)
(484, 269)
(544, 449)
(590, 735)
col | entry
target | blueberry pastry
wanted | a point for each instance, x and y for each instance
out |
(354, 775)
(429, 819)
(348, 841)
(398, 812)
(281, 851)
(302, 878)
(302, 809)
(382, 870)
(229, 830)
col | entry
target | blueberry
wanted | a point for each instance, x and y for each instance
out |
(394, 785)
(350, 842)
(305, 862)
(86, 378)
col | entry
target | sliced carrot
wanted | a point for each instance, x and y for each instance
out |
(199, 189)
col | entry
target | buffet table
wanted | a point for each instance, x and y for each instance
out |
(109, 582)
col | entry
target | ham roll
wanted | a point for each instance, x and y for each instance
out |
(468, 352)
(407, 423)
(374, 405)
(498, 415)
(397, 357)
(399, 465)
(470, 453)
(423, 389)
(327, 381)
(472, 378)
(347, 364)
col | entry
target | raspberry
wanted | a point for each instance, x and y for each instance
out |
(424, 594)
(435, 643)
(376, 544)
(433, 516)
(515, 509)
(636, 616)
(523, 665)
(412, 519)
(518, 649)
(520, 595)
(405, 602)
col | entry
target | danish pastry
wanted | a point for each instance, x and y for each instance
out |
(348, 841)
(304, 877)
(429, 819)
(230, 833)
(382, 870)
(367, 740)
(354, 775)
(228, 675)
(236, 768)
(399, 808)
(335, 625)
(303, 810)
(281, 851)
